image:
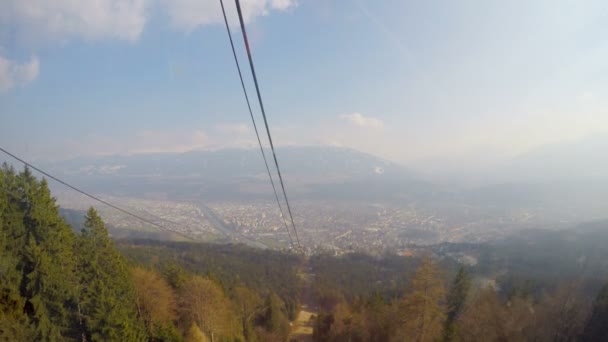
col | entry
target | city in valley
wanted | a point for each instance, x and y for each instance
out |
(322, 225)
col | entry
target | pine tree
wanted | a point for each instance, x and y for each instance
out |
(106, 296)
(274, 319)
(456, 299)
(14, 323)
(37, 271)
(47, 261)
(12, 229)
(378, 317)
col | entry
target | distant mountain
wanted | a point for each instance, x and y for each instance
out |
(581, 160)
(239, 172)
(570, 177)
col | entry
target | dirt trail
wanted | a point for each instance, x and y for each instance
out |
(303, 325)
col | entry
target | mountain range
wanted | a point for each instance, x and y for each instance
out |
(567, 175)
(308, 171)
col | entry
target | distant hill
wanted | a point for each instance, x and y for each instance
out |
(583, 159)
(308, 171)
(569, 177)
(76, 219)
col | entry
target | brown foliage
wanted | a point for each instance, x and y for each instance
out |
(422, 311)
(155, 300)
(202, 302)
(488, 318)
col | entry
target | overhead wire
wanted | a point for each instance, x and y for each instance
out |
(255, 127)
(124, 211)
(257, 89)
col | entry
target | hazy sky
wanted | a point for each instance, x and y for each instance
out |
(413, 81)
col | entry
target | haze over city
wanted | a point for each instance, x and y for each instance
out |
(446, 90)
(303, 170)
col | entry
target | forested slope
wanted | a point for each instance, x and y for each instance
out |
(58, 284)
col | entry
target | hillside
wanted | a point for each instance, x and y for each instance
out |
(57, 284)
(238, 173)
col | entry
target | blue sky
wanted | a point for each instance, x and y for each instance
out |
(417, 82)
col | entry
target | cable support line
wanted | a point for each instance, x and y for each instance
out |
(257, 89)
(124, 211)
(255, 128)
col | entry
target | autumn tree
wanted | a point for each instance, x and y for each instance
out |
(489, 318)
(484, 318)
(422, 310)
(378, 317)
(347, 325)
(248, 306)
(203, 303)
(154, 299)
(194, 334)
(561, 315)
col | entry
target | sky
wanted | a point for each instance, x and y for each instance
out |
(427, 83)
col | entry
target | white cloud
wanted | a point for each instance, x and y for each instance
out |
(62, 20)
(14, 74)
(157, 141)
(187, 15)
(283, 5)
(65, 19)
(362, 121)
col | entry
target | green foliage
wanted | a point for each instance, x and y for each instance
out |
(58, 285)
(356, 275)
(232, 265)
(166, 333)
(106, 298)
(175, 275)
(275, 319)
(45, 257)
(14, 323)
(456, 300)
(55, 286)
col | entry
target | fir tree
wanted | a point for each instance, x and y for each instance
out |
(456, 300)
(106, 298)
(47, 261)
